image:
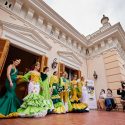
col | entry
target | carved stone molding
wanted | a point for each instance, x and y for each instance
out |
(70, 59)
(25, 36)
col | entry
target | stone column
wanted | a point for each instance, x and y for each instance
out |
(40, 22)
(35, 17)
(63, 37)
(30, 15)
(116, 41)
(110, 40)
(102, 44)
(96, 48)
(17, 7)
(79, 47)
(90, 50)
(69, 40)
(49, 28)
(56, 32)
(84, 50)
(74, 44)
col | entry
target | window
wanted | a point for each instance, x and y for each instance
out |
(8, 3)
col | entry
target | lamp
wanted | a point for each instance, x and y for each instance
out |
(95, 75)
(54, 64)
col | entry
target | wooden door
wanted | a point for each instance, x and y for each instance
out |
(61, 68)
(79, 74)
(43, 62)
(4, 48)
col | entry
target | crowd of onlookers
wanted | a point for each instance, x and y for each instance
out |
(108, 102)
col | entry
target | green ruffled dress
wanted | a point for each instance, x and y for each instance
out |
(46, 93)
(34, 105)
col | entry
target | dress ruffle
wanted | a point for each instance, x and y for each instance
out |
(59, 110)
(11, 115)
(78, 106)
(58, 105)
(55, 96)
(34, 106)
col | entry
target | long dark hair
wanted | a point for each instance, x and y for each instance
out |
(14, 59)
(54, 72)
(102, 90)
(33, 66)
(45, 68)
(109, 90)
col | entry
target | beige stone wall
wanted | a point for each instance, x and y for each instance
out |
(110, 71)
(97, 64)
(115, 71)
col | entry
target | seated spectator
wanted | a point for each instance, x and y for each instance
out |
(101, 101)
(122, 93)
(109, 101)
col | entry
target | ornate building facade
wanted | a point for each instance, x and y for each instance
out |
(33, 31)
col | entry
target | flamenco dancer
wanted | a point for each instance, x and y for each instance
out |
(58, 105)
(34, 104)
(64, 93)
(75, 100)
(9, 103)
(46, 92)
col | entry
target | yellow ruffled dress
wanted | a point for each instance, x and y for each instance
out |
(75, 99)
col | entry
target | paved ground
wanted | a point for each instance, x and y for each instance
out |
(91, 118)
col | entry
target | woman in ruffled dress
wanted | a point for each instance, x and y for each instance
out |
(34, 104)
(77, 105)
(58, 105)
(46, 92)
(64, 92)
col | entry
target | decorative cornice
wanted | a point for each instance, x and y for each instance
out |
(30, 25)
(33, 31)
(115, 30)
(102, 50)
(28, 33)
(70, 55)
(50, 13)
(121, 52)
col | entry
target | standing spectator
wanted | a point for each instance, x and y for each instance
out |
(122, 93)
